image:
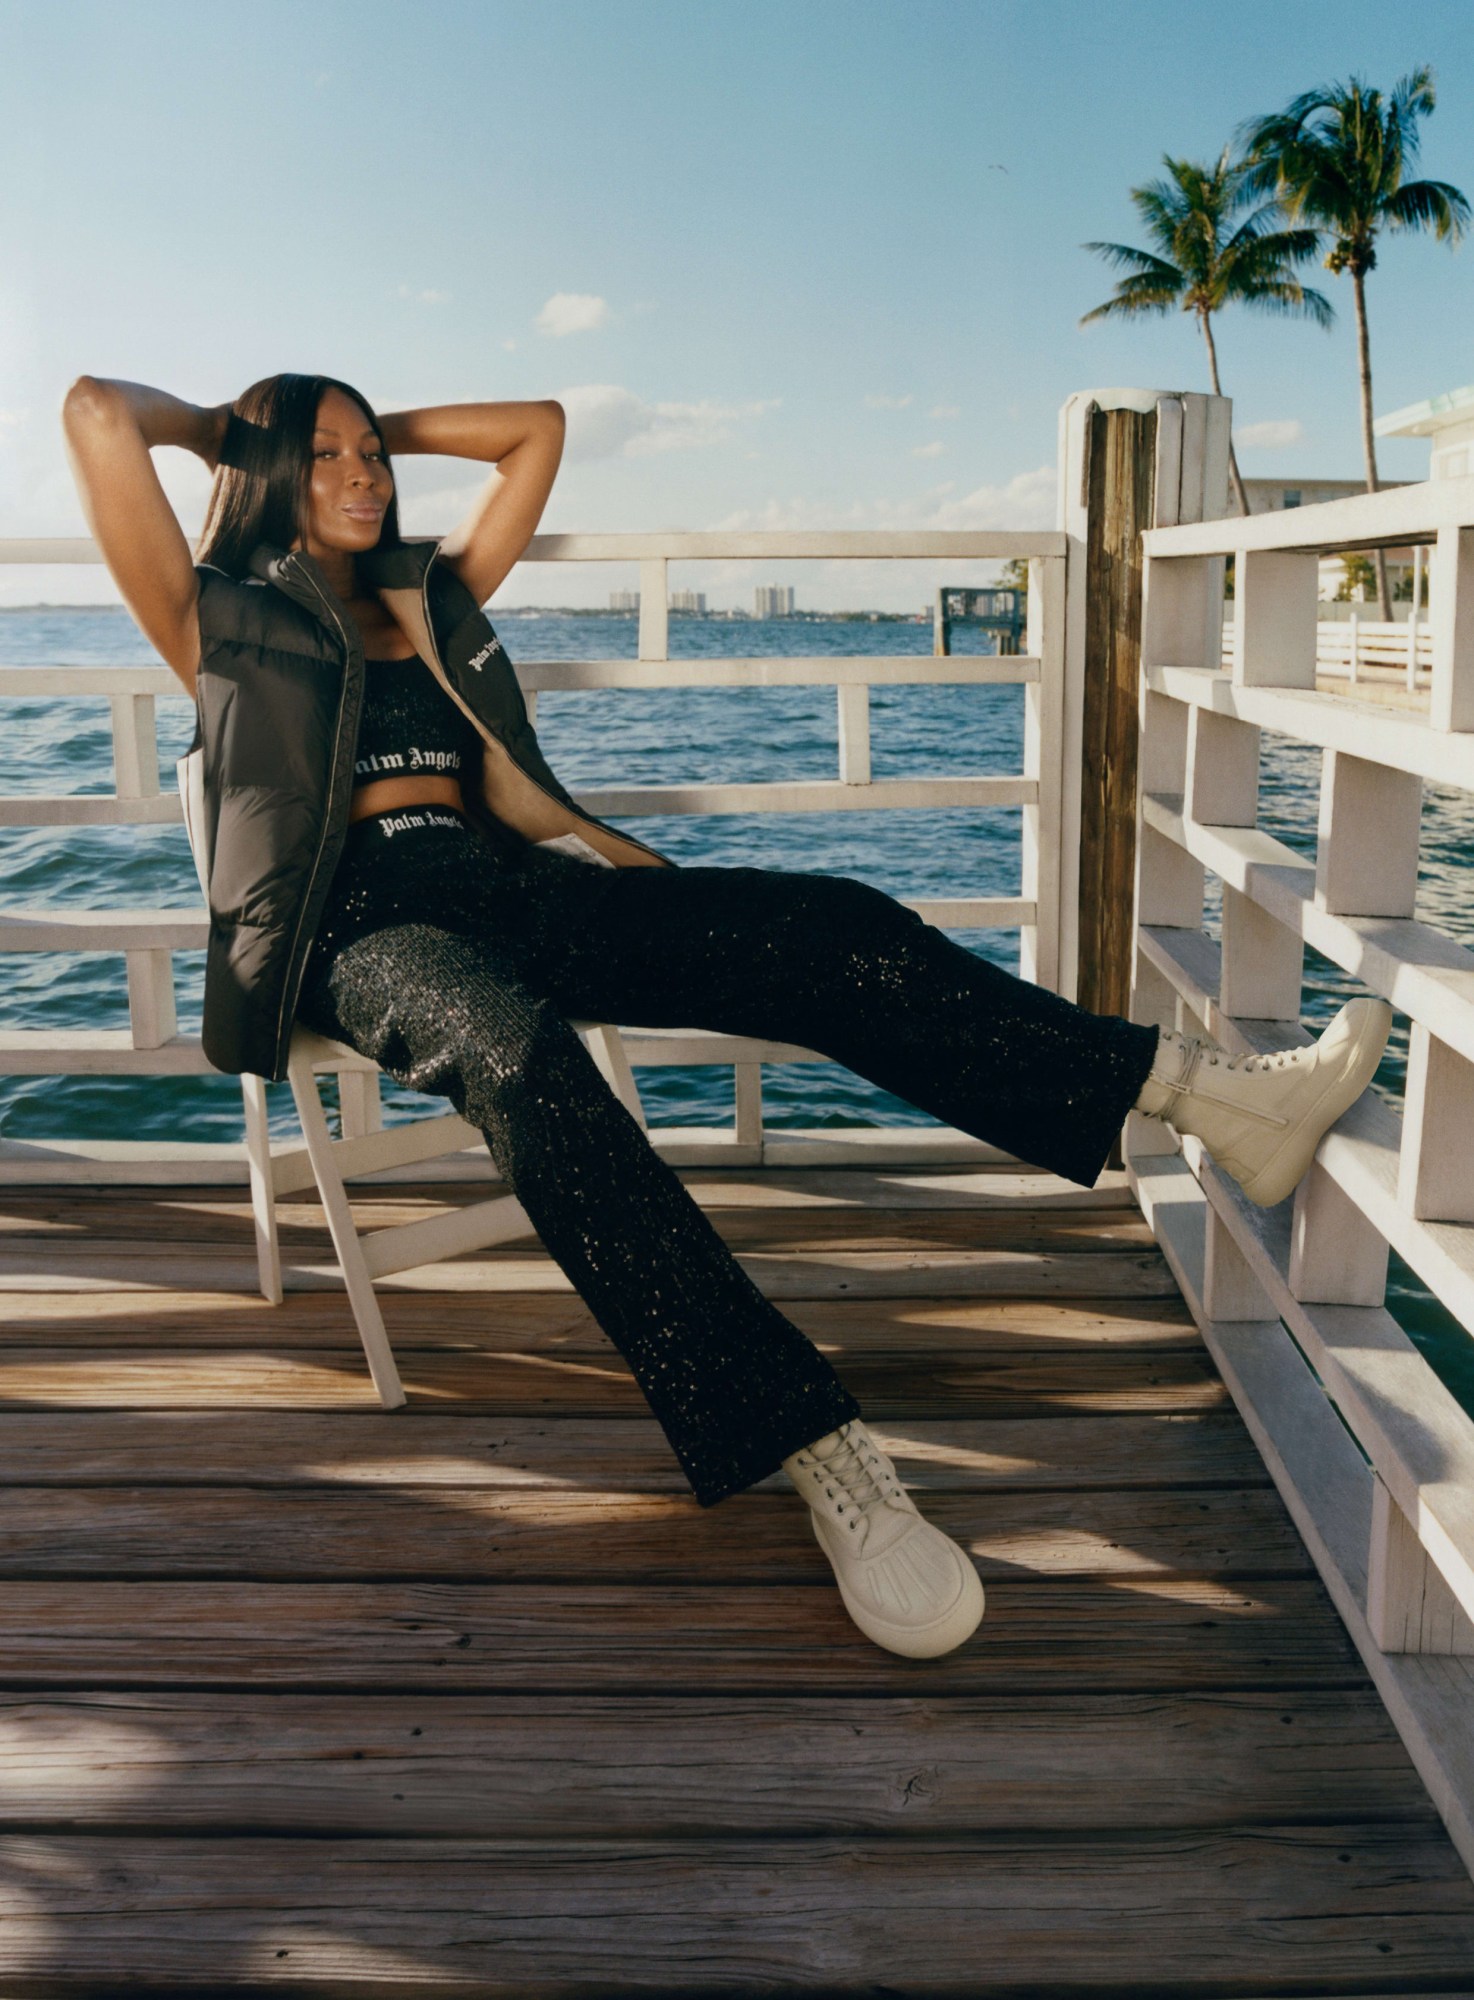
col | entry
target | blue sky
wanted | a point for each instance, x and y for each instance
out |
(788, 262)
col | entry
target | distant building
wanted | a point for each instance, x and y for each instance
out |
(624, 600)
(773, 600)
(1268, 496)
(689, 600)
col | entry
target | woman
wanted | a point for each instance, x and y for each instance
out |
(451, 910)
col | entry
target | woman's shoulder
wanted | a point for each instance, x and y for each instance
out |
(250, 611)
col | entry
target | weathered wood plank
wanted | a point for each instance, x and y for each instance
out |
(988, 1184)
(33, 1263)
(425, 1447)
(470, 1765)
(559, 1323)
(1272, 1909)
(1061, 1633)
(890, 1386)
(68, 1223)
(46, 1532)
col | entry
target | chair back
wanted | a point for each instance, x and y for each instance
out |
(189, 771)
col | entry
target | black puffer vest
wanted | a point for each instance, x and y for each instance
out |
(267, 778)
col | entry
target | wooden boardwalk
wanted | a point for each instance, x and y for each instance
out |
(302, 1697)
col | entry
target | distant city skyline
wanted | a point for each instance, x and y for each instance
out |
(760, 253)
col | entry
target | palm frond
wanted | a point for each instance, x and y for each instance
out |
(1124, 257)
(1288, 299)
(1141, 294)
(1434, 205)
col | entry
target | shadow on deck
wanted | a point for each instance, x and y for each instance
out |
(472, 1698)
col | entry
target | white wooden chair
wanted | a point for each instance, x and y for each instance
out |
(279, 1168)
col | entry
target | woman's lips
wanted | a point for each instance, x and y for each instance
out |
(363, 513)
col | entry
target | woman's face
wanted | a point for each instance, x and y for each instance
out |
(351, 484)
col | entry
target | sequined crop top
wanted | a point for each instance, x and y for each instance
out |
(409, 724)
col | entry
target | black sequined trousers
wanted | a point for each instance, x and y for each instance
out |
(458, 963)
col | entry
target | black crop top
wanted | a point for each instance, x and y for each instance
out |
(409, 724)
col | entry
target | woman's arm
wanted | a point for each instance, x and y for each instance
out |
(525, 441)
(110, 429)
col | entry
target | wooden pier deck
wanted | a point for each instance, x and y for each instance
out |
(303, 1697)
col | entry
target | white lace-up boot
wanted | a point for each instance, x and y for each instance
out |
(1262, 1117)
(906, 1584)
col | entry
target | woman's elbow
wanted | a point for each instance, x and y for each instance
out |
(557, 415)
(88, 402)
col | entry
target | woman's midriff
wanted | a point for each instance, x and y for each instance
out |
(386, 793)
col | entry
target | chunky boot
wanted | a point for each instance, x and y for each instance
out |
(1262, 1117)
(906, 1584)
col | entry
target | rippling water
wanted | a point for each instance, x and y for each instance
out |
(624, 736)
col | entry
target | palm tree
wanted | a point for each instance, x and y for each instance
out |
(1202, 261)
(1335, 158)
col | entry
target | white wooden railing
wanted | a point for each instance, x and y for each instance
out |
(152, 1044)
(1373, 1455)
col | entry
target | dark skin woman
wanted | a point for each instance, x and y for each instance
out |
(111, 428)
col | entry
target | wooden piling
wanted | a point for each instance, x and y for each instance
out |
(1120, 484)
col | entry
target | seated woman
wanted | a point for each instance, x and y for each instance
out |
(394, 864)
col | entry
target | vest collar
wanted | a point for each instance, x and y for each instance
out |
(401, 568)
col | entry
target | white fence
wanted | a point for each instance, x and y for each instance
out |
(1374, 1456)
(153, 1045)
(1367, 652)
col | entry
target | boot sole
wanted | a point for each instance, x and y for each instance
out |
(1288, 1165)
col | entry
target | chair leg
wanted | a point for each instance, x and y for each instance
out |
(263, 1188)
(361, 1295)
(359, 1102)
(606, 1045)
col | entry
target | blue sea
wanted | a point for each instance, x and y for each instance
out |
(623, 736)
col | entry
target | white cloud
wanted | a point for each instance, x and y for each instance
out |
(572, 312)
(1026, 501)
(1265, 436)
(944, 411)
(888, 402)
(932, 450)
(11, 420)
(427, 297)
(607, 421)
(509, 347)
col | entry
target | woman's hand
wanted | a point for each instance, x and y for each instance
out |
(524, 440)
(211, 436)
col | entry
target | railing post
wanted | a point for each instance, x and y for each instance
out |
(1130, 459)
(151, 1010)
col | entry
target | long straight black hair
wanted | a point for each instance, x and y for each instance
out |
(261, 494)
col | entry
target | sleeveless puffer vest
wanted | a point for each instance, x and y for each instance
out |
(267, 779)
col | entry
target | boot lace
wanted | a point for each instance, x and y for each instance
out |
(1197, 1051)
(856, 1477)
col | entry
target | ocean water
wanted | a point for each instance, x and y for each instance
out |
(625, 736)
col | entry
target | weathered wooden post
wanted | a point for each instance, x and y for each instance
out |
(1130, 459)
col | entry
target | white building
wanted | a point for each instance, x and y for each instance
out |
(689, 600)
(624, 600)
(1447, 422)
(773, 600)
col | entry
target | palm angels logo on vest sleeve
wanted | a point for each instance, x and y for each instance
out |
(478, 660)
